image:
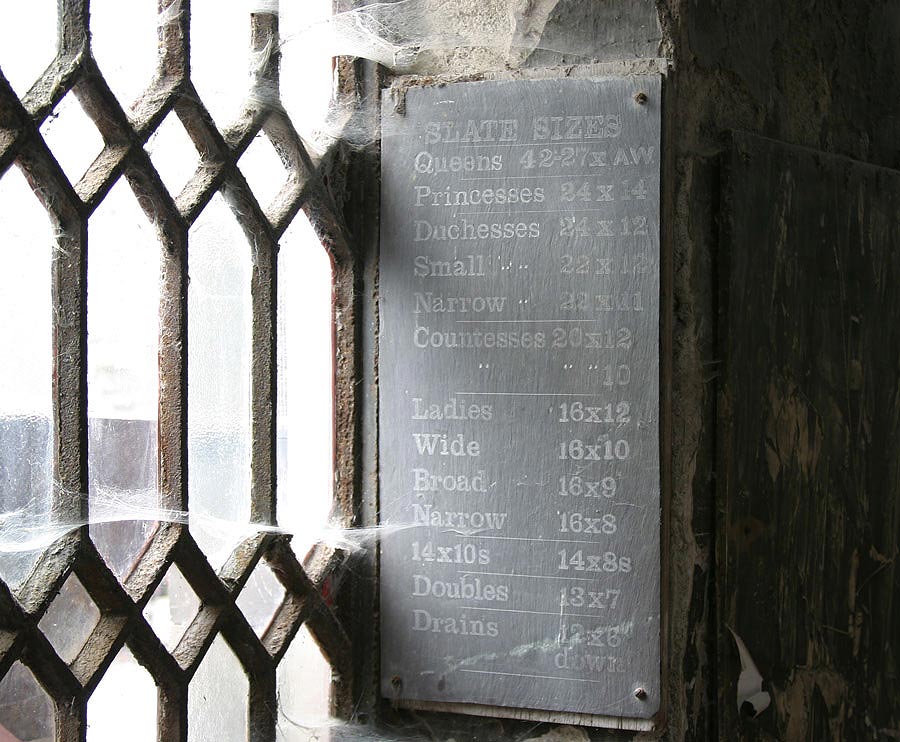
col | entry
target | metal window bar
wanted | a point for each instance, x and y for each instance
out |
(70, 205)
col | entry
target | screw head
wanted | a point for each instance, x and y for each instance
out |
(640, 98)
(640, 694)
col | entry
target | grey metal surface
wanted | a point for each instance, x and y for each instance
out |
(519, 395)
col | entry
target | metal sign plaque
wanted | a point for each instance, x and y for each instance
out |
(519, 395)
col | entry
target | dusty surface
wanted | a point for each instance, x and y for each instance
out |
(810, 536)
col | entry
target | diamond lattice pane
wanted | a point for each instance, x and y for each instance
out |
(263, 169)
(218, 696)
(70, 619)
(124, 699)
(123, 377)
(173, 154)
(26, 711)
(260, 597)
(72, 137)
(219, 328)
(172, 607)
(27, 252)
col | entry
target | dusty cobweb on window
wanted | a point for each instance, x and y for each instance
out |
(145, 287)
(28, 252)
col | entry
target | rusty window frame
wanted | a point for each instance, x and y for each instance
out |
(308, 586)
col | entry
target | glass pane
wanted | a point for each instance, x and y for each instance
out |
(304, 688)
(263, 169)
(124, 699)
(124, 41)
(70, 619)
(221, 79)
(172, 607)
(219, 333)
(173, 154)
(24, 57)
(260, 598)
(306, 66)
(123, 376)
(26, 711)
(217, 697)
(27, 243)
(305, 406)
(72, 137)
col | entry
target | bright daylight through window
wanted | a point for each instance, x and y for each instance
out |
(166, 383)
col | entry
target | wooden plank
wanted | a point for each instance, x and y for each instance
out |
(519, 396)
(809, 452)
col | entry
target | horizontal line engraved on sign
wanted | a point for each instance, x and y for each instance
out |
(539, 143)
(532, 394)
(564, 578)
(537, 176)
(524, 538)
(541, 677)
(531, 211)
(536, 613)
(525, 321)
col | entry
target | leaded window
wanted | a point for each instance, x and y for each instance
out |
(166, 386)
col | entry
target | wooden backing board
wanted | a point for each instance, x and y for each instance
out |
(809, 452)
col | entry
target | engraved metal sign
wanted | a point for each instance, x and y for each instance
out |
(519, 395)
